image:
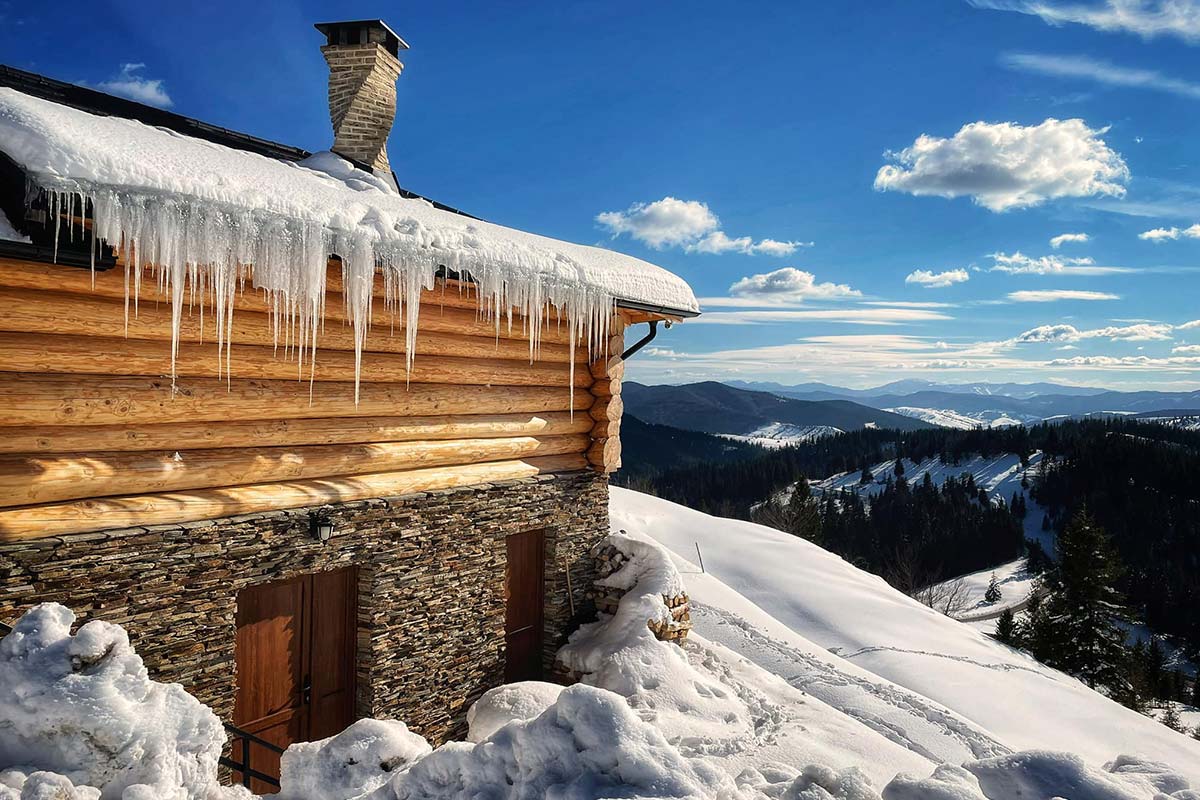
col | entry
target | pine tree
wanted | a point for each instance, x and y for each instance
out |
(898, 469)
(1156, 664)
(866, 477)
(1006, 628)
(993, 593)
(1034, 632)
(1196, 733)
(804, 515)
(1171, 719)
(1045, 522)
(1084, 605)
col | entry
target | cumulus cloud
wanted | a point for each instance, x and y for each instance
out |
(789, 285)
(1006, 165)
(937, 280)
(1020, 264)
(849, 316)
(689, 224)
(1071, 238)
(1145, 362)
(1163, 234)
(1192, 349)
(129, 83)
(1187, 326)
(1099, 71)
(1145, 18)
(1051, 295)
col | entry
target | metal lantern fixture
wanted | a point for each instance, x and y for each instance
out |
(320, 527)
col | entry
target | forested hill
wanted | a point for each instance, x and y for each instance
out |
(713, 407)
(1138, 480)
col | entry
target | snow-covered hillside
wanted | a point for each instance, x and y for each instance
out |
(784, 434)
(933, 685)
(949, 418)
(1000, 475)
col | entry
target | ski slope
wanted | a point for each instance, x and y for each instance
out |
(949, 418)
(937, 687)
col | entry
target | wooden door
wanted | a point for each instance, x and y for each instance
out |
(295, 662)
(524, 600)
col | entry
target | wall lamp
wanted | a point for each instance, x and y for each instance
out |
(320, 527)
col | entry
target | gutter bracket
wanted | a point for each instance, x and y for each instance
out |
(645, 340)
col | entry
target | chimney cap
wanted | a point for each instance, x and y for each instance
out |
(362, 31)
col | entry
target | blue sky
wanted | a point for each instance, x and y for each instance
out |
(857, 192)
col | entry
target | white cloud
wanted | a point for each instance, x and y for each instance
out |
(937, 280)
(1187, 326)
(1163, 234)
(1006, 165)
(909, 304)
(789, 285)
(128, 83)
(1051, 295)
(1069, 333)
(663, 223)
(1193, 349)
(689, 224)
(1143, 362)
(849, 316)
(1020, 264)
(719, 242)
(1099, 71)
(1146, 18)
(1065, 238)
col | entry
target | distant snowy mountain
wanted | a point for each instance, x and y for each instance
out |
(948, 418)
(782, 434)
(913, 385)
(712, 407)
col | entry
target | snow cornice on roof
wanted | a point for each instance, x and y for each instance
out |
(204, 214)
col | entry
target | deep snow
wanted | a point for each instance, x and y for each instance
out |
(805, 614)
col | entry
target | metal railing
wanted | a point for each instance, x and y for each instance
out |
(244, 766)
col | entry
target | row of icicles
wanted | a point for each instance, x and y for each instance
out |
(202, 256)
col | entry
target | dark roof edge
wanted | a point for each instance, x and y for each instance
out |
(634, 305)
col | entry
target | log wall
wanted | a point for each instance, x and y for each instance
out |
(94, 435)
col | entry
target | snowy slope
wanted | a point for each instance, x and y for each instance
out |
(807, 600)
(999, 475)
(783, 434)
(949, 418)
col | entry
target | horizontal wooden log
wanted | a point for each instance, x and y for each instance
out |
(79, 516)
(35, 479)
(606, 429)
(85, 354)
(284, 432)
(47, 312)
(434, 316)
(39, 399)
(608, 368)
(603, 387)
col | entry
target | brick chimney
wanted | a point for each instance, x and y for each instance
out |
(364, 63)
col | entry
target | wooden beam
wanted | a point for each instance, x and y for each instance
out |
(39, 399)
(37, 479)
(83, 354)
(58, 519)
(284, 432)
(49, 312)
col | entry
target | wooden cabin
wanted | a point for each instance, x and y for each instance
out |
(361, 488)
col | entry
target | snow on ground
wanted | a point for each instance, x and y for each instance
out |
(949, 418)
(783, 434)
(991, 695)
(1000, 475)
(1015, 582)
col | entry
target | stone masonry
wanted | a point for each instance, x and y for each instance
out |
(431, 601)
(362, 101)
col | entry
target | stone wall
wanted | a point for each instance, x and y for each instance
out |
(431, 587)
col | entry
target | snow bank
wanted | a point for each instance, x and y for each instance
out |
(204, 213)
(589, 744)
(504, 704)
(84, 706)
(360, 759)
(17, 785)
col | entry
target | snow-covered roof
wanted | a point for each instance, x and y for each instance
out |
(198, 210)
